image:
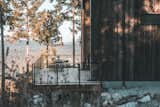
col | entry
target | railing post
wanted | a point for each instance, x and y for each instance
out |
(40, 62)
(79, 75)
(47, 75)
(34, 73)
(57, 72)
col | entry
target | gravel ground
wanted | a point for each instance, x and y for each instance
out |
(131, 97)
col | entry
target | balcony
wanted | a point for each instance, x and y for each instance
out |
(60, 72)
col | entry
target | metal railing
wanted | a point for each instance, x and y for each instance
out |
(59, 73)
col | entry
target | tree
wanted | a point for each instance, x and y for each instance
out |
(3, 59)
(22, 14)
(24, 24)
(24, 21)
(10, 15)
(3, 10)
(74, 9)
(72, 13)
(46, 28)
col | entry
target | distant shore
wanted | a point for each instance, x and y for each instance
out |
(17, 53)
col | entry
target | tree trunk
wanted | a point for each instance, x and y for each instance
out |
(27, 50)
(3, 58)
(73, 37)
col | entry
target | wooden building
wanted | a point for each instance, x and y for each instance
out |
(125, 40)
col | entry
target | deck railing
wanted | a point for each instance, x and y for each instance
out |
(59, 73)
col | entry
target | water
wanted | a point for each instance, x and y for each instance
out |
(17, 52)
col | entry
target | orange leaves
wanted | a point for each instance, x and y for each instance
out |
(16, 13)
(152, 7)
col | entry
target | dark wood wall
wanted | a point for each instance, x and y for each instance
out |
(121, 47)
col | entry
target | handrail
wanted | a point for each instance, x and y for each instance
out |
(58, 70)
(42, 61)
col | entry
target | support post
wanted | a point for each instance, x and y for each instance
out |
(79, 74)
